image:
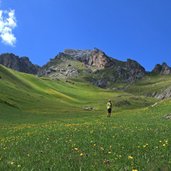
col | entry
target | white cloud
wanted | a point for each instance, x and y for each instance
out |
(7, 24)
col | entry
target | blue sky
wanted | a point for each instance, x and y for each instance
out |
(136, 29)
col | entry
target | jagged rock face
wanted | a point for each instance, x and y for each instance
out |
(157, 69)
(163, 94)
(163, 69)
(70, 62)
(125, 72)
(94, 65)
(94, 58)
(60, 72)
(61, 67)
(22, 64)
(10, 61)
(135, 70)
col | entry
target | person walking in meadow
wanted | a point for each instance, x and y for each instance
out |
(109, 108)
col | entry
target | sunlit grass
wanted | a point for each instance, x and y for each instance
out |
(44, 126)
(128, 140)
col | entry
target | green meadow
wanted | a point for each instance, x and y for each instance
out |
(62, 125)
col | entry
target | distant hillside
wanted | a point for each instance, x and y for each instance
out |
(152, 85)
(22, 64)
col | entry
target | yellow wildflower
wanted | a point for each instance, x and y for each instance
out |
(145, 145)
(12, 163)
(130, 157)
(102, 148)
(76, 149)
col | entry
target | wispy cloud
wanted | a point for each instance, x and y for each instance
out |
(7, 24)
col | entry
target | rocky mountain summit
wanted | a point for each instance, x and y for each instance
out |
(22, 64)
(92, 65)
(163, 69)
(95, 58)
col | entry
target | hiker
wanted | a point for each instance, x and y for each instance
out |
(109, 108)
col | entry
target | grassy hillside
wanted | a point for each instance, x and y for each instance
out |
(27, 93)
(43, 126)
(150, 84)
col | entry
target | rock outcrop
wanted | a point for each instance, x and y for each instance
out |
(92, 65)
(119, 72)
(94, 58)
(22, 64)
(163, 69)
(164, 94)
(135, 69)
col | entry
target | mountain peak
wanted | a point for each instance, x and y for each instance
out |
(93, 65)
(163, 69)
(94, 58)
(22, 64)
(77, 53)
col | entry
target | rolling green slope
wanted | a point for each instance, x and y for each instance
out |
(150, 85)
(20, 92)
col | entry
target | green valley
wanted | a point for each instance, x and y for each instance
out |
(48, 124)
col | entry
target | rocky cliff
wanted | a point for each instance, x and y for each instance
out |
(163, 69)
(22, 64)
(163, 94)
(92, 65)
(95, 58)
